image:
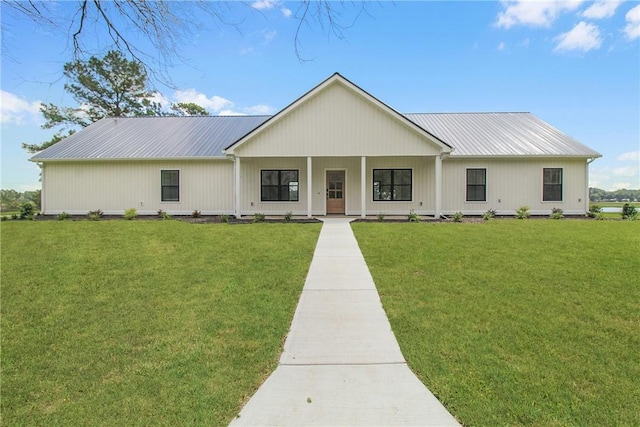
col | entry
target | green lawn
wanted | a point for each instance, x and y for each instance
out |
(143, 322)
(516, 322)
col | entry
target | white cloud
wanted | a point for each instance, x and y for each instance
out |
(263, 5)
(533, 13)
(259, 110)
(286, 12)
(601, 9)
(626, 171)
(214, 104)
(632, 29)
(269, 35)
(632, 156)
(14, 109)
(525, 42)
(621, 185)
(502, 46)
(582, 36)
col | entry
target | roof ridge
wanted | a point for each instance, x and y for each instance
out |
(476, 112)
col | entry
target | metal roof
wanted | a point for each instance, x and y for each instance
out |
(153, 138)
(470, 134)
(500, 134)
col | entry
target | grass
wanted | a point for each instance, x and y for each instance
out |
(143, 322)
(516, 322)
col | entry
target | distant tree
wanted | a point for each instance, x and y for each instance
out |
(189, 109)
(9, 200)
(112, 86)
(33, 197)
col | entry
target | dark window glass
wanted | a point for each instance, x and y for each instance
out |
(552, 185)
(279, 186)
(170, 185)
(392, 184)
(476, 185)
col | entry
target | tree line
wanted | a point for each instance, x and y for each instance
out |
(623, 195)
(11, 200)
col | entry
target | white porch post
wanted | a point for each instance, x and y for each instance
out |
(363, 186)
(236, 185)
(438, 207)
(309, 187)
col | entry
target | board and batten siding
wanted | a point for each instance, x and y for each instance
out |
(114, 186)
(336, 122)
(513, 183)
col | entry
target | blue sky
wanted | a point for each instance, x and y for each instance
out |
(575, 64)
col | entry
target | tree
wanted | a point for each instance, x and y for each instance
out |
(9, 200)
(188, 109)
(109, 87)
(166, 25)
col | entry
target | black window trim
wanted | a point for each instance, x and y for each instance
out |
(484, 185)
(162, 186)
(280, 186)
(373, 186)
(560, 185)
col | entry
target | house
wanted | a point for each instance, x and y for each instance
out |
(335, 150)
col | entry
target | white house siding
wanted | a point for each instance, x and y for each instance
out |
(77, 187)
(512, 183)
(337, 122)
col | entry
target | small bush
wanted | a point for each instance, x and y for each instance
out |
(14, 216)
(26, 210)
(595, 211)
(196, 214)
(522, 212)
(224, 218)
(629, 212)
(380, 216)
(130, 214)
(489, 214)
(413, 216)
(5, 218)
(288, 216)
(62, 216)
(258, 217)
(556, 213)
(457, 217)
(95, 215)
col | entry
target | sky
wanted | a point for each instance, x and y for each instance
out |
(574, 64)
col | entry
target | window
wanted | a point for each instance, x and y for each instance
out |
(170, 185)
(552, 185)
(476, 185)
(279, 185)
(392, 184)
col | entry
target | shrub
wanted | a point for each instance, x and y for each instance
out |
(380, 216)
(14, 216)
(288, 216)
(130, 213)
(522, 212)
(224, 218)
(457, 217)
(556, 213)
(95, 215)
(258, 217)
(196, 214)
(26, 210)
(489, 214)
(413, 216)
(629, 212)
(595, 211)
(62, 216)
(4, 218)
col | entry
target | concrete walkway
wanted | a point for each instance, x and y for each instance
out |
(341, 363)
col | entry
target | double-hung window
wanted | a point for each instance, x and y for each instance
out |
(279, 185)
(170, 185)
(392, 185)
(476, 185)
(552, 185)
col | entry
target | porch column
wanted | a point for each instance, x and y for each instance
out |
(438, 206)
(309, 186)
(363, 186)
(236, 186)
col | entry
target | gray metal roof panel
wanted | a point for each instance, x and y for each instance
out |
(153, 137)
(500, 134)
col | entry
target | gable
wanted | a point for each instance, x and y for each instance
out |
(338, 119)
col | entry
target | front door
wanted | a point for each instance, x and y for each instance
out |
(335, 192)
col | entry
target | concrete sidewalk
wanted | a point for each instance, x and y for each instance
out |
(341, 363)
